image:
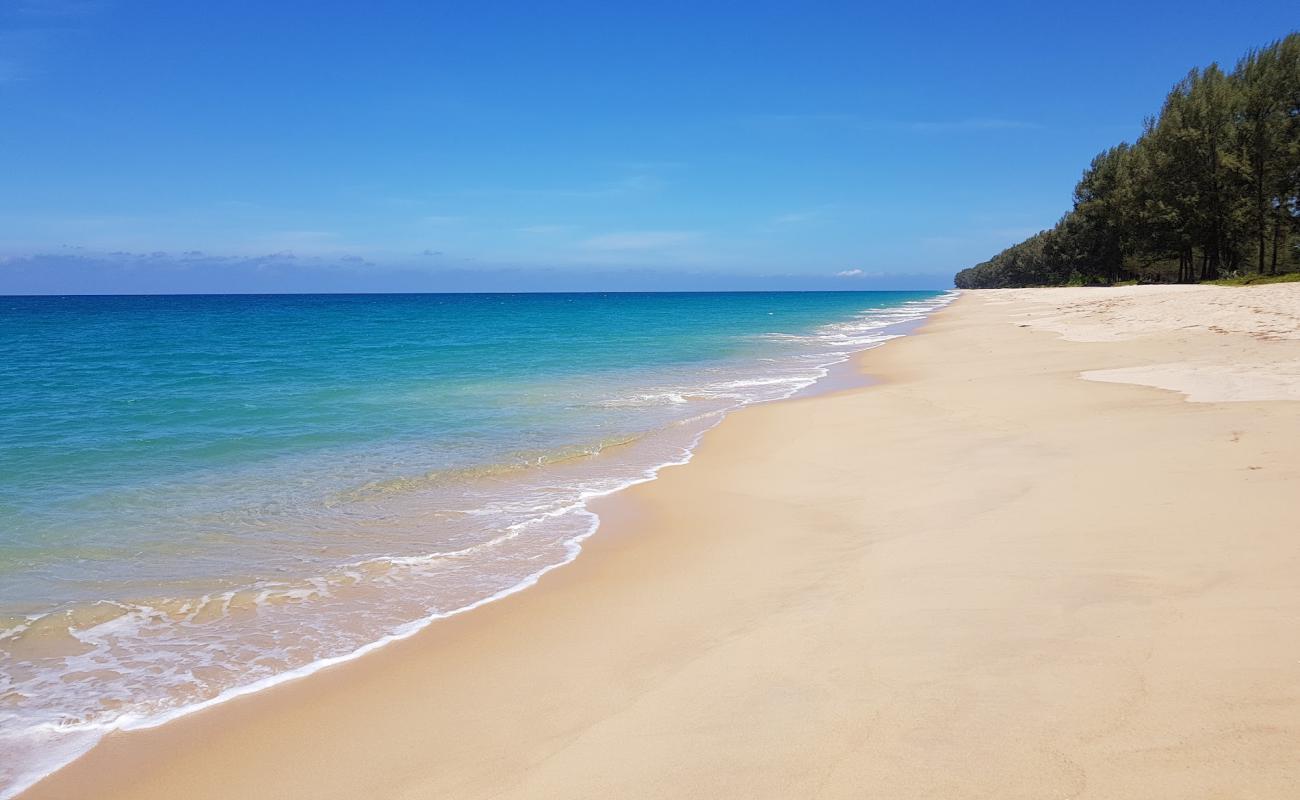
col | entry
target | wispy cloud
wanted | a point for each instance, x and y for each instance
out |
(861, 122)
(810, 118)
(641, 167)
(639, 240)
(125, 272)
(290, 243)
(795, 217)
(19, 50)
(55, 8)
(864, 275)
(10, 70)
(973, 124)
(622, 187)
(544, 230)
(31, 29)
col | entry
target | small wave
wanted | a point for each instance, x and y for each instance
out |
(650, 399)
(512, 522)
(512, 465)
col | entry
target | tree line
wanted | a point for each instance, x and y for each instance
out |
(1210, 189)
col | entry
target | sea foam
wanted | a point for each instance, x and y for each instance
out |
(379, 557)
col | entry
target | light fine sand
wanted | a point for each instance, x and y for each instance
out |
(981, 577)
(1233, 369)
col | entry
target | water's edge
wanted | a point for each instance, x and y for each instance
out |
(837, 376)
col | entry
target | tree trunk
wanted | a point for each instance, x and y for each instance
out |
(1277, 241)
(1262, 226)
(1261, 201)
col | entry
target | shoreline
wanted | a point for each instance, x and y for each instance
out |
(461, 671)
(836, 376)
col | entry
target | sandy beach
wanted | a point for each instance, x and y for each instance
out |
(1051, 551)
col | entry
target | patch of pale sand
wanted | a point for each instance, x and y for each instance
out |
(1270, 312)
(1212, 383)
(1246, 340)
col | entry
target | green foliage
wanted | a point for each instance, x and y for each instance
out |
(1212, 187)
(1255, 280)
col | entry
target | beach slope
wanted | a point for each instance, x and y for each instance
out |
(1053, 552)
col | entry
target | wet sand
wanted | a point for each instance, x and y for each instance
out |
(990, 573)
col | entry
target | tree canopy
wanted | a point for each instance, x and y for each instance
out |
(1211, 188)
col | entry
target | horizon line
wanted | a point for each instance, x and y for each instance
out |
(416, 294)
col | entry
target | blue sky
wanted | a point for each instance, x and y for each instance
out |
(324, 146)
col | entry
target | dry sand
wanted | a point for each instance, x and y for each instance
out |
(1233, 369)
(983, 577)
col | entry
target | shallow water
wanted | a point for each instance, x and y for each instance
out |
(206, 495)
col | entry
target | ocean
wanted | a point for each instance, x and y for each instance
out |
(201, 496)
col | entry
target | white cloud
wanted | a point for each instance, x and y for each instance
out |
(851, 273)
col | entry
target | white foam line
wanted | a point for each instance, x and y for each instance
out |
(573, 547)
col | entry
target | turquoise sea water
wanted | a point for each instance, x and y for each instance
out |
(203, 495)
